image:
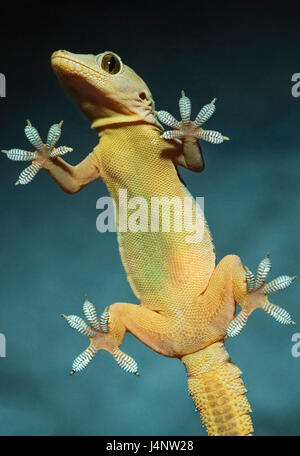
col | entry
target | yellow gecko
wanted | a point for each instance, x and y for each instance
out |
(187, 303)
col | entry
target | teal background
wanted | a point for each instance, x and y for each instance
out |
(51, 253)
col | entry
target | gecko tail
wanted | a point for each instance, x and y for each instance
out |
(218, 392)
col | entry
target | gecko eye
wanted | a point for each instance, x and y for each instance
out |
(110, 63)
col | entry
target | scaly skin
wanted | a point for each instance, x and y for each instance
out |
(167, 274)
(186, 301)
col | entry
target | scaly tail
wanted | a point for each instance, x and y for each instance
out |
(218, 391)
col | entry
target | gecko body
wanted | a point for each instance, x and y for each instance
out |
(187, 302)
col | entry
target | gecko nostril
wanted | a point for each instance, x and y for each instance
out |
(142, 96)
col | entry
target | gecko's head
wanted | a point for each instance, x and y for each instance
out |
(105, 89)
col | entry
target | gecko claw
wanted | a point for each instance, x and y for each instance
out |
(104, 319)
(237, 324)
(257, 297)
(28, 174)
(125, 362)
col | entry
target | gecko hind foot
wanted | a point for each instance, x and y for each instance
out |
(257, 297)
(44, 150)
(100, 336)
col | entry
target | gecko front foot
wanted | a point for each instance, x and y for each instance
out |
(191, 131)
(101, 336)
(41, 154)
(257, 297)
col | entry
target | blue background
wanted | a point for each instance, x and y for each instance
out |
(52, 254)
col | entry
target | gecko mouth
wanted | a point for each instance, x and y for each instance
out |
(64, 62)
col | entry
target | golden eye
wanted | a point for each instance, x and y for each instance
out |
(110, 63)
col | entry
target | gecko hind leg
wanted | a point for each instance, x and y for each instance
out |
(257, 297)
(103, 334)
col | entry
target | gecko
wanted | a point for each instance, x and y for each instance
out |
(187, 303)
